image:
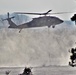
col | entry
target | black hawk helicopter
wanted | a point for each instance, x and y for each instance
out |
(36, 22)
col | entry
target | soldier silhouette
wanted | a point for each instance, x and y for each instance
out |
(73, 56)
(27, 71)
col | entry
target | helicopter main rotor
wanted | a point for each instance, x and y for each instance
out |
(46, 13)
(34, 13)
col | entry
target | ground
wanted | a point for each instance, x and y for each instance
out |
(52, 70)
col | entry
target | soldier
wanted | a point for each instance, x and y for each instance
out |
(27, 71)
(73, 56)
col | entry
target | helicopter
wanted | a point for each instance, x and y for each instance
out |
(36, 22)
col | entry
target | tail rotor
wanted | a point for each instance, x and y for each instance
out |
(8, 17)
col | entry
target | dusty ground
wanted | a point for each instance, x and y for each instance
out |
(52, 70)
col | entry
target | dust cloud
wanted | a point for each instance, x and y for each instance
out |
(37, 46)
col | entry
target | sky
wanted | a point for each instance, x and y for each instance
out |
(38, 6)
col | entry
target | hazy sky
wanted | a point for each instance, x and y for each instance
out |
(37, 6)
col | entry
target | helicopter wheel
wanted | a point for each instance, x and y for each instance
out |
(53, 26)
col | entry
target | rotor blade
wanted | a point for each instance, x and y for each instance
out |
(8, 14)
(29, 13)
(4, 19)
(62, 13)
(48, 11)
(12, 17)
(34, 13)
(43, 13)
(8, 18)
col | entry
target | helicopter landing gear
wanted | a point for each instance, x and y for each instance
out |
(53, 26)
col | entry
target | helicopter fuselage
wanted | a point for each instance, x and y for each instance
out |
(37, 22)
